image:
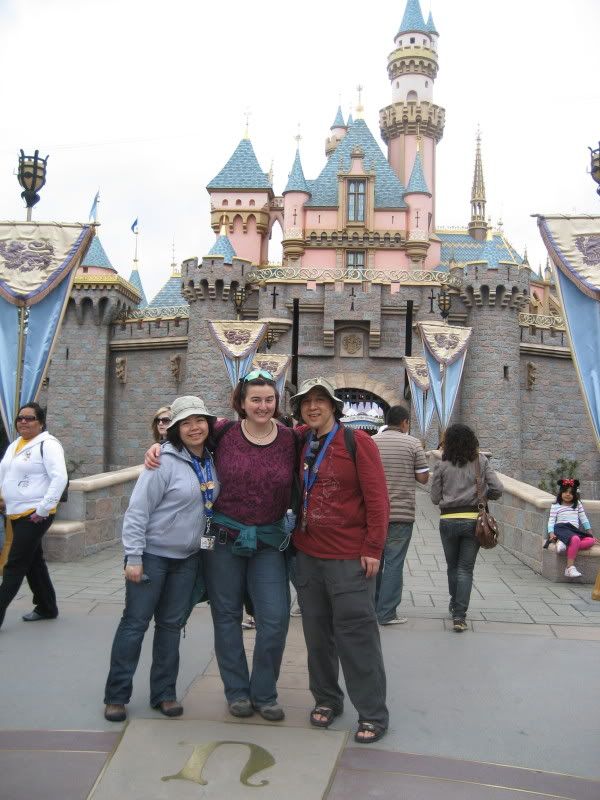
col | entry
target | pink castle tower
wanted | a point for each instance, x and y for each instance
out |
(412, 121)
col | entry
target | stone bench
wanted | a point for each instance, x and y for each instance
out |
(554, 564)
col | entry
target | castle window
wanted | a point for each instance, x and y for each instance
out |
(238, 202)
(355, 260)
(252, 203)
(426, 84)
(356, 201)
(225, 202)
(412, 40)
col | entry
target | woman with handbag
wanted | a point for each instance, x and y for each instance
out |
(454, 488)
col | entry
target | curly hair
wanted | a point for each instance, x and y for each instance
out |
(460, 445)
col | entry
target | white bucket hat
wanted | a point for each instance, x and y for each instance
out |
(189, 406)
(313, 383)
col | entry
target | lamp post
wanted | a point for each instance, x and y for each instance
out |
(595, 165)
(444, 302)
(239, 298)
(32, 177)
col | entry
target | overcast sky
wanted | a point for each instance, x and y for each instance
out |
(145, 100)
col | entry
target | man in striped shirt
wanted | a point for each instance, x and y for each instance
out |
(404, 464)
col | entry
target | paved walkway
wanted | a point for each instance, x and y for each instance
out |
(485, 715)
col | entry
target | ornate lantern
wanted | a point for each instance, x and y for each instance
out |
(595, 165)
(31, 176)
(444, 302)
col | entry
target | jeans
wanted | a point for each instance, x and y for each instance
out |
(264, 576)
(388, 593)
(166, 596)
(460, 548)
(26, 560)
(340, 627)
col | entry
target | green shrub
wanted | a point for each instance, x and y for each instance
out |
(565, 468)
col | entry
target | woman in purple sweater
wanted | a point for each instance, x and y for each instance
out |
(254, 459)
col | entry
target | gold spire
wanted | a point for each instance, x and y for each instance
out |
(478, 226)
(359, 106)
(247, 129)
(175, 271)
(223, 231)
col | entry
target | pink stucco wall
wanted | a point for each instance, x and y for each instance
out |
(291, 201)
(325, 219)
(218, 198)
(390, 221)
(246, 245)
(391, 259)
(319, 258)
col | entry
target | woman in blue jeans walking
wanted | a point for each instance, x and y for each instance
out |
(454, 489)
(163, 531)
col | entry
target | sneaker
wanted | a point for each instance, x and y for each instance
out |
(249, 624)
(560, 546)
(295, 610)
(395, 621)
(572, 572)
(460, 625)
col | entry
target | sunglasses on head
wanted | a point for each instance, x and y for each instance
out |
(162, 420)
(258, 373)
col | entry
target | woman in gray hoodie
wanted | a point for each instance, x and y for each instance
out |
(454, 489)
(163, 532)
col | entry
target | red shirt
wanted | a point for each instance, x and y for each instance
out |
(348, 506)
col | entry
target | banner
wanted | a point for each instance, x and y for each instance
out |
(422, 396)
(37, 262)
(238, 341)
(574, 247)
(277, 365)
(445, 348)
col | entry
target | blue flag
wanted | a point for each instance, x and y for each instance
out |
(94, 208)
(134, 227)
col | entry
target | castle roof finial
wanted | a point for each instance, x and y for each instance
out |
(359, 106)
(478, 226)
(247, 113)
(175, 271)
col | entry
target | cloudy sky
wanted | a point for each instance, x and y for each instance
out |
(145, 100)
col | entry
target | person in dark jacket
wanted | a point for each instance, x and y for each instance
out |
(454, 489)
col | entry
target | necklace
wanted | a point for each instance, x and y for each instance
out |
(272, 432)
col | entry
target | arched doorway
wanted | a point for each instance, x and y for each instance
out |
(363, 410)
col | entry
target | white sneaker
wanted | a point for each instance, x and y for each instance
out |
(572, 572)
(295, 610)
(560, 546)
(395, 621)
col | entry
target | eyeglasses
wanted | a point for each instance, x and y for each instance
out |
(26, 419)
(257, 373)
(162, 420)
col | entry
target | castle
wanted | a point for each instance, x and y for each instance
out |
(360, 240)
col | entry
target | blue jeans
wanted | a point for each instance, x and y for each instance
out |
(388, 593)
(460, 548)
(264, 576)
(166, 596)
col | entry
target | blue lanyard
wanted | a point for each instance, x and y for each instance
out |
(311, 473)
(207, 485)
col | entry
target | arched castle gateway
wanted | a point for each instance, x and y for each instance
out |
(361, 248)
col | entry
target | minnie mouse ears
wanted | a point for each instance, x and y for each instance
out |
(568, 483)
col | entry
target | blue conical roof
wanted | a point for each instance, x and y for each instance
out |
(413, 18)
(136, 281)
(338, 122)
(223, 247)
(96, 256)
(296, 181)
(417, 183)
(170, 294)
(430, 25)
(350, 119)
(389, 191)
(242, 171)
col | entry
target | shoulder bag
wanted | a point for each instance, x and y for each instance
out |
(486, 527)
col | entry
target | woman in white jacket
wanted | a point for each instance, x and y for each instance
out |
(33, 477)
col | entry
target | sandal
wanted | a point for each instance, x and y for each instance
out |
(323, 711)
(378, 732)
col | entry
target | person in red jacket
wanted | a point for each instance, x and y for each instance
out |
(339, 539)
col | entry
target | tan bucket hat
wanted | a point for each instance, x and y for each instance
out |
(189, 406)
(313, 383)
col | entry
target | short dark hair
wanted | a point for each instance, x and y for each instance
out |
(396, 415)
(174, 436)
(297, 410)
(460, 445)
(40, 413)
(241, 390)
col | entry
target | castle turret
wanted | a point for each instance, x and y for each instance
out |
(419, 201)
(478, 226)
(412, 69)
(240, 195)
(338, 131)
(295, 195)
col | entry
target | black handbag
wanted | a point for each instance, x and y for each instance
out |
(486, 527)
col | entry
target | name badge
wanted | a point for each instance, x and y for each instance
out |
(207, 543)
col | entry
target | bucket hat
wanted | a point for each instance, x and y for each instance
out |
(313, 383)
(188, 406)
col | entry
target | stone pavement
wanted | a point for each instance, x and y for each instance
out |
(490, 714)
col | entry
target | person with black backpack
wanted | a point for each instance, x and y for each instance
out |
(33, 476)
(339, 538)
